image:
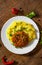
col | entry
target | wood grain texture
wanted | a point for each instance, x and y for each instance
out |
(34, 57)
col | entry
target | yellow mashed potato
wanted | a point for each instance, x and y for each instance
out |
(21, 26)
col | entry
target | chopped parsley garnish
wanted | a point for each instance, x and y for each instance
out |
(10, 34)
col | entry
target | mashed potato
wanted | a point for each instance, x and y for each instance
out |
(21, 26)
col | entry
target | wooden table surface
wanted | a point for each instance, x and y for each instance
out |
(34, 57)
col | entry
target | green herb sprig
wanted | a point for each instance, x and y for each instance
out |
(31, 14)
(41, 37)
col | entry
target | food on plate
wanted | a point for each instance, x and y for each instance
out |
(20, 33)
(20, 39)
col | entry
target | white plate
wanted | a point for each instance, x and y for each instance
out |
(12, 48)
